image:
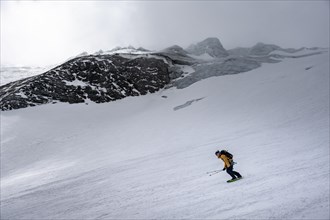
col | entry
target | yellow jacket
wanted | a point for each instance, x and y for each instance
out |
(226, 160)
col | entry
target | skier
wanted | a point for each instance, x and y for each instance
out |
(229, 164)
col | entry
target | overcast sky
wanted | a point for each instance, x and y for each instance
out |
(44, 33)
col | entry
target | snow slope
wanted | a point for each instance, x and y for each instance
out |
(11, 74)
(147, 157)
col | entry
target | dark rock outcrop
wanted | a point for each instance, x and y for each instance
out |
(101, 78)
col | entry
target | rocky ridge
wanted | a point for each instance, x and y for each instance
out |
(122, 72)
(101, 78)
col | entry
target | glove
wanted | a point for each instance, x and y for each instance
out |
(224, 169)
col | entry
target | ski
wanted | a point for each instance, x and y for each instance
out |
(230, 181)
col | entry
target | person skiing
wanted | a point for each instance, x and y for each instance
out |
(227, 158)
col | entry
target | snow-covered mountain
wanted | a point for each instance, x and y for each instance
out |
(147, 156)
(101, 78)
(261, 49)
(211, 46)
(121, 72)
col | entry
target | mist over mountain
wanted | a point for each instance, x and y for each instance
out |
(210, 46)
(126, 71)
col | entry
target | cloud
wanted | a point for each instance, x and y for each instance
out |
(48, 32)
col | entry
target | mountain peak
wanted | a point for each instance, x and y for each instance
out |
(175, 49)
(211, 46)
(211, 40)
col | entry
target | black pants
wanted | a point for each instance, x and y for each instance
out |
(232, 173)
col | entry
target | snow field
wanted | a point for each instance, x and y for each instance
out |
(137, 158)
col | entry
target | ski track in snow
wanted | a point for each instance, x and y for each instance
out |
(137, 158)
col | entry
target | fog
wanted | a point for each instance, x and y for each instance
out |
(45, 33)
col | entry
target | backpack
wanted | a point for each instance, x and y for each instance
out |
(227, 154)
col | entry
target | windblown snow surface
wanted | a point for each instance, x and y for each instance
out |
(10, 74)
(138, 158)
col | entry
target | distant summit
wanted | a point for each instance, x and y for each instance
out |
(211, 46)
(175, 49)
(261, 49)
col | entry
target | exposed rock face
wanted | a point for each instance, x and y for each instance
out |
(100, 79)
(211, 46)
(122, 72)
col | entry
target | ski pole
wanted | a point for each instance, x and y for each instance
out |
(214, 171)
